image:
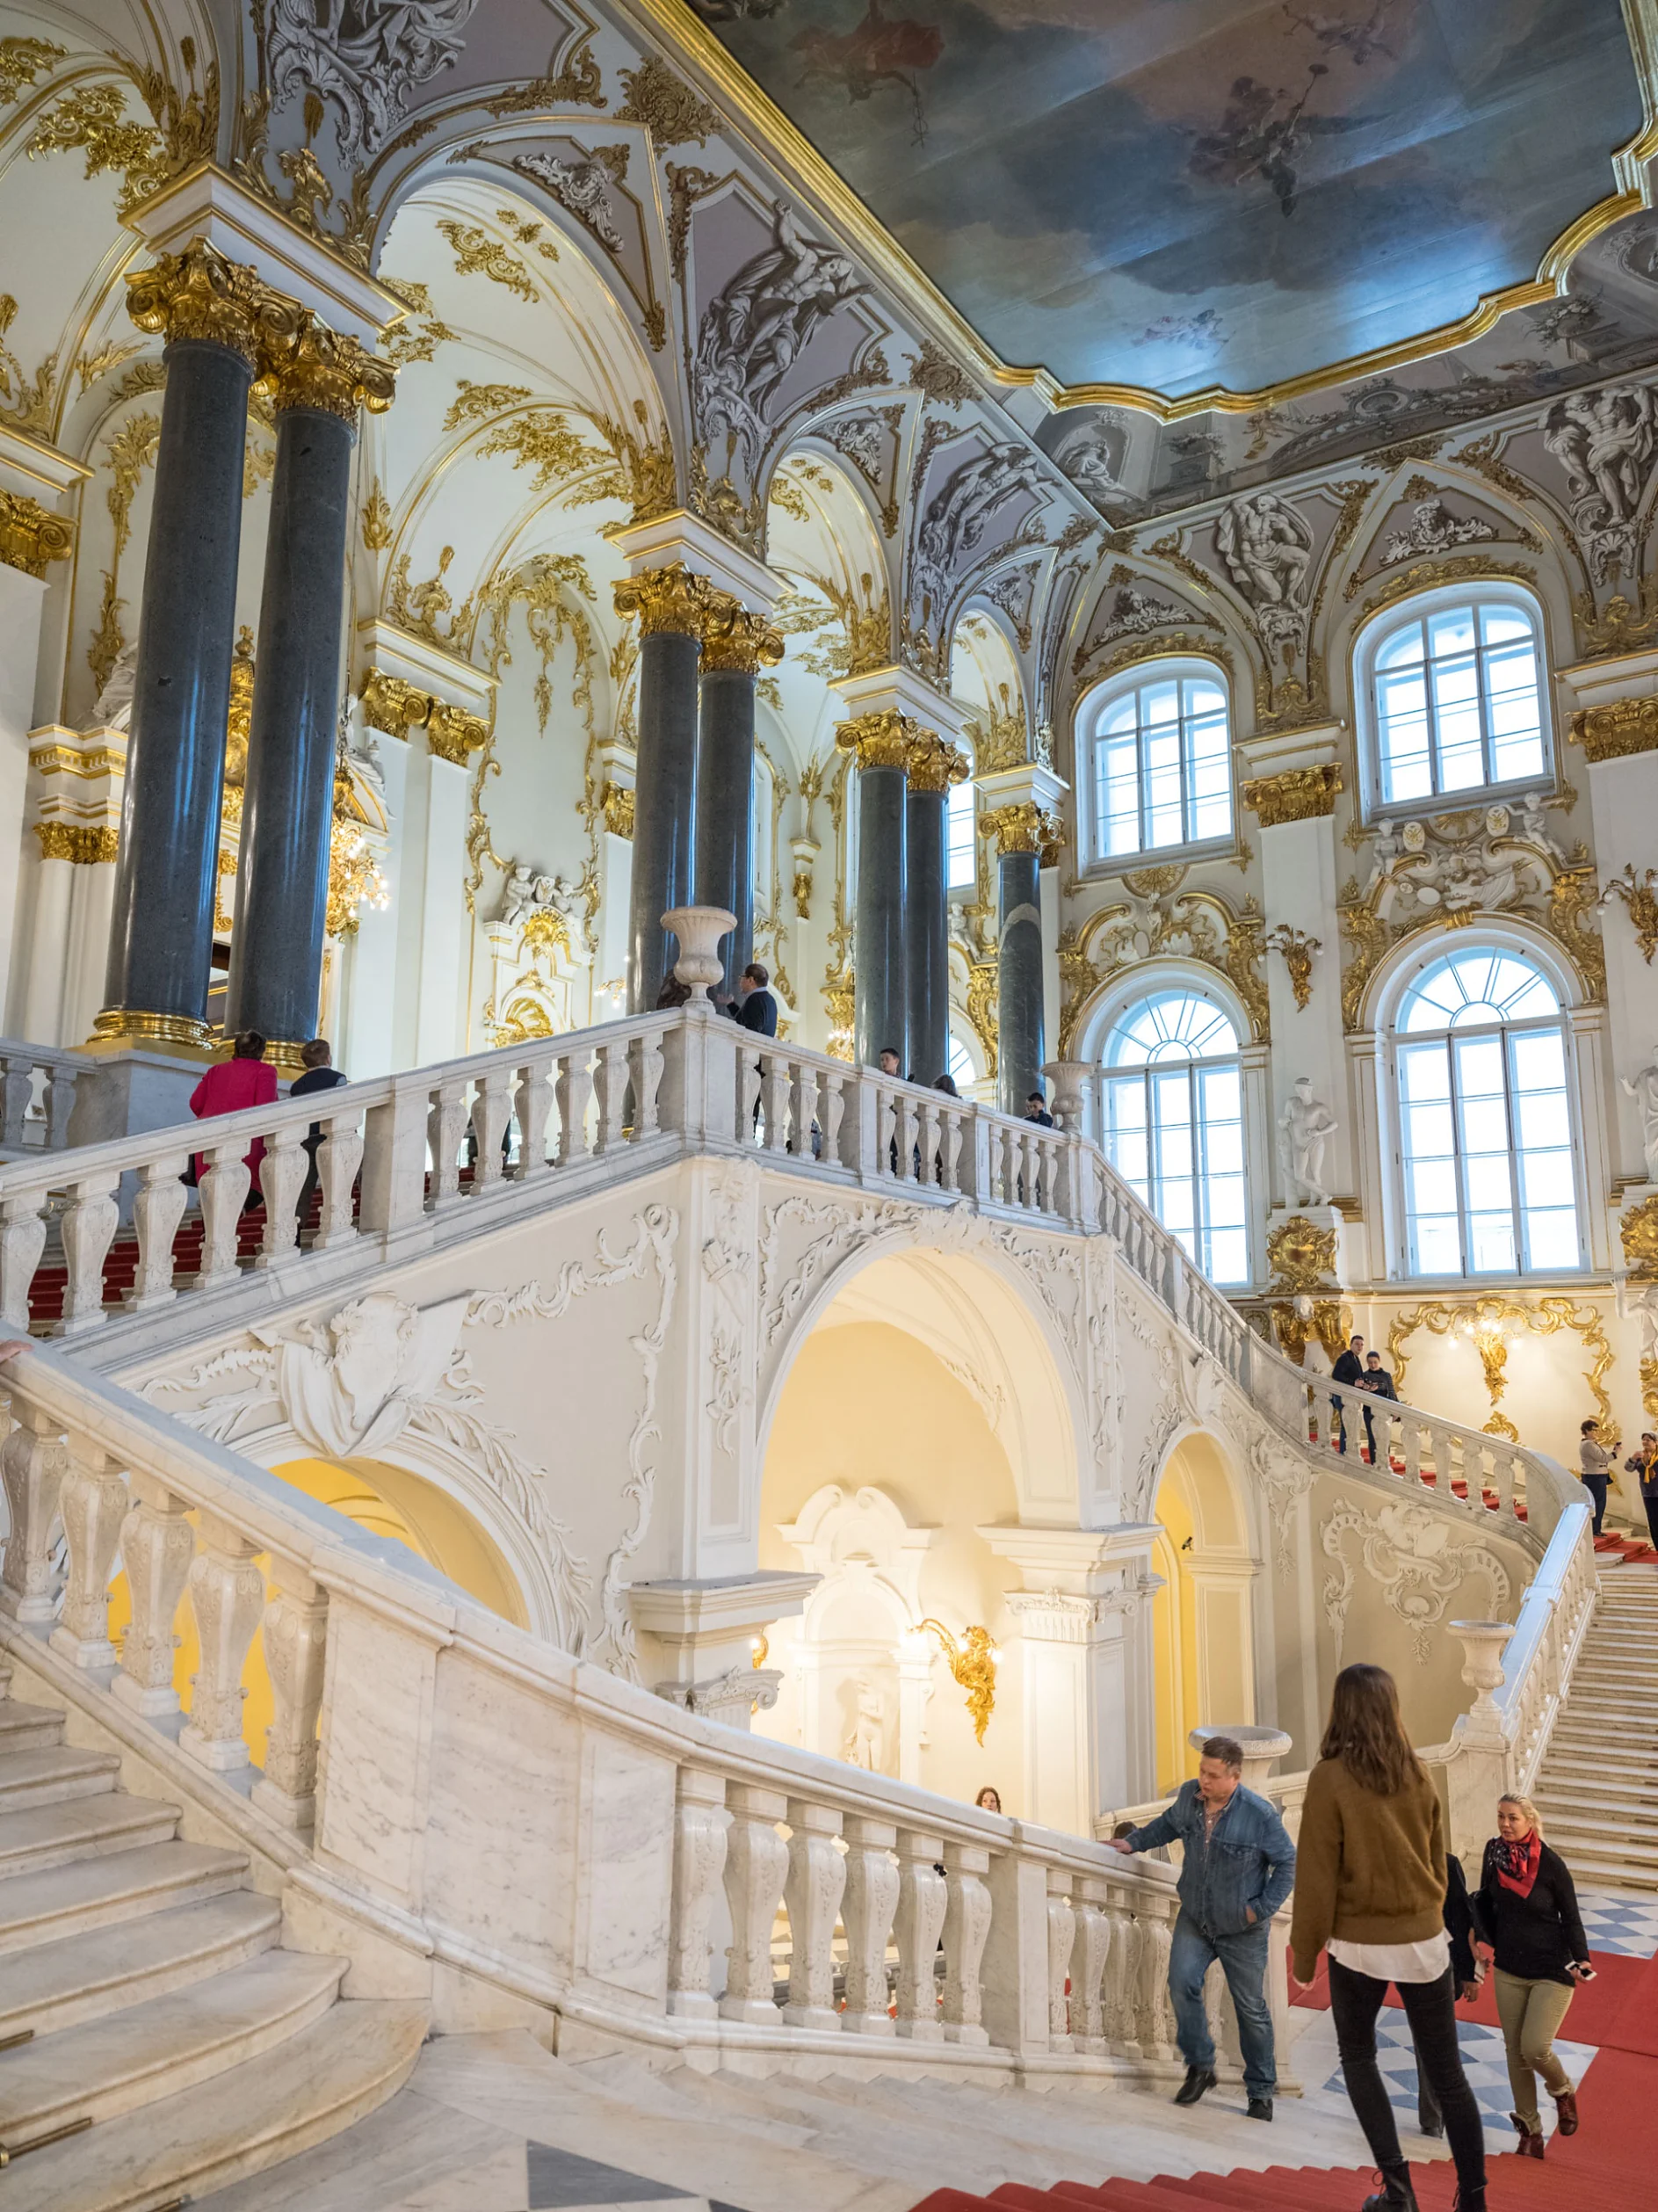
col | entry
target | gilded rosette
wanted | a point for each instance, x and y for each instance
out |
(934, 766)
(1025, 827)
(882, 739)
(30, 536)
(198, 294)
(302, 363)
(672, 600)
(735, 638)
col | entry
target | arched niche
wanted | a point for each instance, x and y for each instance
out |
(1204, 1631)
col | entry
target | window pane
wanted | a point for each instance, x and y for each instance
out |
(1175, 1129)
(1435, 1247)
(963, 860)
(1458, 702)
(1552, 1240)
(1162, 767)
(1491, 1245)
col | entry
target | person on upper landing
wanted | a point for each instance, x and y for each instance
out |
(1036, 1110)
(753, 1007)
(1350, 1369)
(1596, 1461)
(246, 1079)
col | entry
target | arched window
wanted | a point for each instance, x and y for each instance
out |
(958, 1064)
(1455, 698)
(1160, 755)
(1484, 1120)
(1174, 1124)
(961, 858)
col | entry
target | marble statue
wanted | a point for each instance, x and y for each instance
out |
(113, 707)
(866, 1746)
(1305, 1128)
(526, 893)
(1644, 1090)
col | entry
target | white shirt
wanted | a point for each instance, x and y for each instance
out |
(1423, 1961)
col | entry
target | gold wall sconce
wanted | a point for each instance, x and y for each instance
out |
(972, 1662)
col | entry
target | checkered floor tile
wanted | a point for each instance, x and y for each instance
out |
(1483, 2062)
(1626, 1926)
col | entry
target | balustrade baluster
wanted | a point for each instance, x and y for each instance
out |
(909, 1125)
(157, 1546)
(92, 1504)
(887, 1120)
(1061, 1934)
(157, 1209)
(533, 1105)
(1157, 2013)
(919, 1920)
(646, 1060)
(1121, 2005)
(610, 1089)
(866, 1914)
(281, 1174)
(812, 1900)
(949, 1149)
(58, 1100)
(295, 1650)
(833, 1110)
(227, 1596)
(88, 1229)
(1410, 1439)
(774, 1092)
(338, 1158)
(802, 1107)
(748, 1079)
(491, 1111)
(16, 1094)
(966, 1928)
(573, 1091)
(756, 1867)
(1088, 1954)
(22, 1241)
(927, 1141)
(699, 1857)
(223, 1191)
(445, 1119)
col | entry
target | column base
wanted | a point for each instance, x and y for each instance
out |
(129, 1025)
(126, 1089)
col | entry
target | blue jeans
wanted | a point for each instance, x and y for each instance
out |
(1243, 1961)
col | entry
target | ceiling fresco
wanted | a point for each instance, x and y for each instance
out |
(1175, 194)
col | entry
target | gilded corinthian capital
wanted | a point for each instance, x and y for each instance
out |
(1024, 826)
(30, 536)
(673, 600)
(302, 363)
(732, 637)
(198, 294)
(934, 766)
(882, 739)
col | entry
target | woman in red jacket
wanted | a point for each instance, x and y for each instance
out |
(246, 1079)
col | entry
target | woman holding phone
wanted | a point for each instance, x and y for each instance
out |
(1526, 1911)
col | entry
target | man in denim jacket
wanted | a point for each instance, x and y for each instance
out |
(1238, 1868)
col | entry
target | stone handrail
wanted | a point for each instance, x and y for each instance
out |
(37, 1096)
(443, 1783)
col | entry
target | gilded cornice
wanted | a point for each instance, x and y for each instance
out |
(1295, 794)
(66, 761)
(672, 600)
(454, 735)
(734, 637)
(29, 535)
(934, 763)
(302, 363)
(883, 738)
(198, 293)
(1617, 731)
(83, 843)
(1022, 826)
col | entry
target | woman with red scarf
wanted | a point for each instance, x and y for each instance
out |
(1526, 1911)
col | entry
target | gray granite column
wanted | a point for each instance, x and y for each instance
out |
(1024, 833)
(672, 604)
(276, 952)
(161, 927)
(881, 743)
(933, 768)
(734, 646)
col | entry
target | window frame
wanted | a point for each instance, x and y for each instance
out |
(1203, 1230)
(1397, 1041)
(1419, 608)
(1090, 710)
(967, 886)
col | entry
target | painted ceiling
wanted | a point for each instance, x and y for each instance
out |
(1174, 194)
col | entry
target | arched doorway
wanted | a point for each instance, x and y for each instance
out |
(1203, 1627)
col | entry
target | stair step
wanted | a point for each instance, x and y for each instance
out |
(1602, 1873)
(251, 2116)
(164, 2045)
(53, 1773)
(117, 1886)
(24, 1728)
(44, 1836)
(80, 1977)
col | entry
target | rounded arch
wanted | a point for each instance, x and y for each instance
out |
(1204, 1638)
(1104, 1008)
(978, 1309)
(1426, 946)
(985, 676)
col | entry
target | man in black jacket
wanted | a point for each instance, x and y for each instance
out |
(1379, 1384)
(320, 1074)
(1348, 1369)
(754, 1006)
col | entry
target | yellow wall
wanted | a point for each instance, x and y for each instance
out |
(867, 1403)
(1175, 1638)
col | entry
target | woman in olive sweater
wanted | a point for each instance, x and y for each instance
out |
(1526, 1910)
(1370, 1886)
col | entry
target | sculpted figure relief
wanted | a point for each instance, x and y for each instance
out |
(1268, 548)
(1643, 1089)
(369, 55)
(1605, 442)
(582, 186)
(1305, 1128)
(1433, 529)
(958, 516)
(113, 707)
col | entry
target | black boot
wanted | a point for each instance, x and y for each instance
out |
(1396, 2194)
(1199, 2078)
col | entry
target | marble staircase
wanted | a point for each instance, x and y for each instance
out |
(155, 2039)
(1597, 1789)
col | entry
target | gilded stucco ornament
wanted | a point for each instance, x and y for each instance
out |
(391, 705)
(1299, 950)
(617, 804)
(198, 294)
(1638, 1231)
(1641, 901)
(1617, 731)
(672, 599)
(30, 536)
(454, 735)
(1022, 826)
(883, 738)
(1301, 1256)
(84, 844)
(734, 637)
(1491, 1324)
(935, 765)
(1295, 794)
(973, 1663)
(302, 363)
